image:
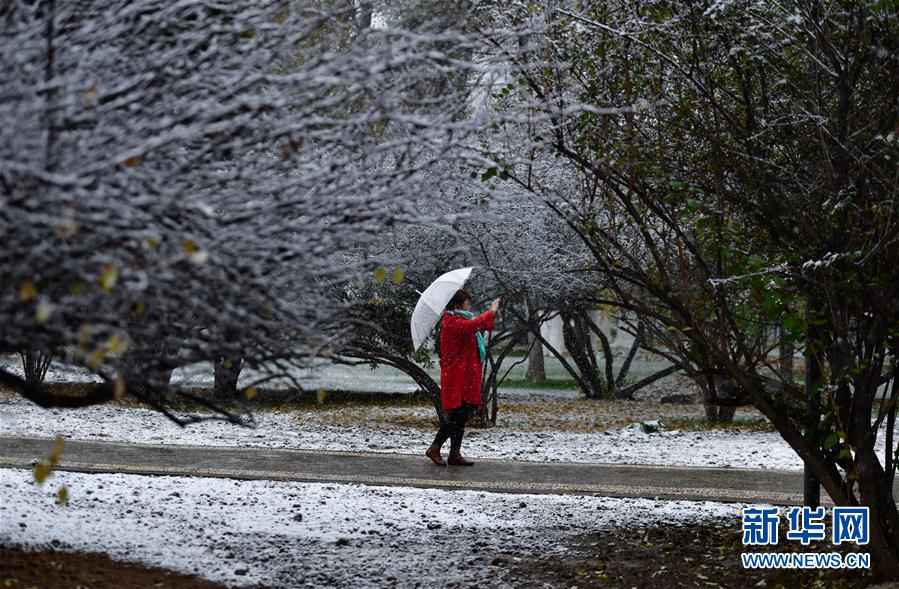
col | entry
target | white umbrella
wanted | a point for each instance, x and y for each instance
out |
(433, 301)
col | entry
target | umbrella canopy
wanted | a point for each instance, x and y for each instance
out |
(433, 301)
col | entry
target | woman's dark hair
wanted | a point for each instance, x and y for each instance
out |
(459, 299)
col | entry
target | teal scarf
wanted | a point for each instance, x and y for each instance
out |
(480, 336)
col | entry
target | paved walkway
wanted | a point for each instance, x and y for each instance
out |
(711, 484)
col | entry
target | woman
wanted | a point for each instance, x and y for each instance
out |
(460, 373)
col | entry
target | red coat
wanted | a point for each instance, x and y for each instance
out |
(460, 363)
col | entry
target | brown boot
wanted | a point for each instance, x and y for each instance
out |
(459, 460)
(434, 454)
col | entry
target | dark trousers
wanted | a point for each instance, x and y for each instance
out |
(453, 428)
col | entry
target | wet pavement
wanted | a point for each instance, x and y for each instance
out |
(505, 476)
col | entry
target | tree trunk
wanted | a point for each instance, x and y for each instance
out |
(577, 342)
(714, 388)
(35, 364)
(559, 356)
(607, 354)
(364, 11)
(227, 371)
(726, 413)
(536, 365)
(631, 354)
(490, 381)
(408, 367)
(884, 519)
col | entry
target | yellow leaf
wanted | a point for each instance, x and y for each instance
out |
(41, 471)
(116, 345)
(250, 393)
(194, 253)
(380, 275)
(133, 161)
(56, 451)
(62, 496)
(77, 288)
(43, 311)
(27, 291)
(152, 243)
(90, 94)
(320, 396)
(108, 277)
(398, 275)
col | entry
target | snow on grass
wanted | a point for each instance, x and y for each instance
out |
(301, 534)
(304, 429)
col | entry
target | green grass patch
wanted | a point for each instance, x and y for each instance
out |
(555, 384)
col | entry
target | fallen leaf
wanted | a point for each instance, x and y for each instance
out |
(41, 471)
(108, 277)
(62, 496)
(27, 291)
(43, 311)
(133, 161)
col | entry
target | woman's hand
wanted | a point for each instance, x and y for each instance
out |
(494, 306)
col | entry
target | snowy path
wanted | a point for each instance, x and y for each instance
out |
(507, 476)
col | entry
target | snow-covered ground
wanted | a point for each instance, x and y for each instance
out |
(316, 535)
(305, 429)
(279, 534)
